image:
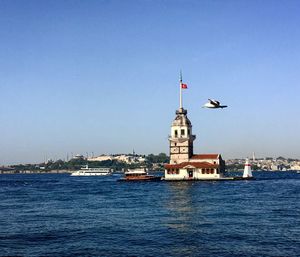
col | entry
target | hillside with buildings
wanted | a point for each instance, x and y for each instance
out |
(153, 162)
(267, 164)
(118, 162)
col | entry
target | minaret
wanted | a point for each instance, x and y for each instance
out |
(181, 138)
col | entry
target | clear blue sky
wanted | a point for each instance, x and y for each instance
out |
(102, 76)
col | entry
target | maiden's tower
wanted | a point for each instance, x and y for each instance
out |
(184, 164)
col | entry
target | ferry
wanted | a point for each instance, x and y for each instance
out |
(138, 174)
(86, 171)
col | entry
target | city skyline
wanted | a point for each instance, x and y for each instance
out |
(103, 77)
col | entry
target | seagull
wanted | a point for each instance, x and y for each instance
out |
(213, 104)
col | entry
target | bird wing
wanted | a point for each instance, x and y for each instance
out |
(214, 102)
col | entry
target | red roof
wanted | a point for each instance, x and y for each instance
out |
(205, 156)
(193, 164)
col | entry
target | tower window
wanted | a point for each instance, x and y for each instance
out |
(176, 133)
(189, 132)
(182, 132)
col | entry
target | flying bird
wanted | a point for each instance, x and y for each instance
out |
(213, 104)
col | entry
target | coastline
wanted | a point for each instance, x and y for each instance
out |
(35, 172)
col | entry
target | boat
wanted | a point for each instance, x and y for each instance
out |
(138, 174)
(86, 171)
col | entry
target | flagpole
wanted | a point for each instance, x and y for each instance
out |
(180, 91)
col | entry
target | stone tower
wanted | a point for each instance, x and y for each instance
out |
(181, 138)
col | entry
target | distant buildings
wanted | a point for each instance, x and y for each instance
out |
(127, 158)
(268, 163)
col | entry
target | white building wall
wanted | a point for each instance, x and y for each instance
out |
(178, 129)
(181, 176)
(100, 158)
(197, 175)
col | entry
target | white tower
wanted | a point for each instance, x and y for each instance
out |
(253, 157)
(247, 170)
(181, 138)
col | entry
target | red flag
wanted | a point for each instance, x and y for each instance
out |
(184, 86)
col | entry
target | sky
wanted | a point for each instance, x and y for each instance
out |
(102, 77)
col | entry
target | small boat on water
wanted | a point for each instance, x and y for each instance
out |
(139, 174)
(86, 171)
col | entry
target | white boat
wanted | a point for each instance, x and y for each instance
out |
(86, 171)
(139, 174)
(139, 171)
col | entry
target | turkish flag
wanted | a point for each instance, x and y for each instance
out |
(184, 86)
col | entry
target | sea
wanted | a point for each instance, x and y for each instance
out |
(61, 215)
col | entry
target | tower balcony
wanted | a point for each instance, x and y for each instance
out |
(181, 139)
(181, 111)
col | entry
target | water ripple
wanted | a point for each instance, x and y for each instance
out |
(59, 215)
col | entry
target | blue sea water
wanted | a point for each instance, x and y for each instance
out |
(60, 215)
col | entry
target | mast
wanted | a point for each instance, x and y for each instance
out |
(180, 91)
